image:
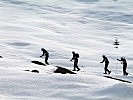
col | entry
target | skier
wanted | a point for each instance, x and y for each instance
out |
(75, 58)
(46, 55)
(105, 59)
(124, 62)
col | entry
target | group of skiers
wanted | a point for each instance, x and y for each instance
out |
(123, 61)
(76, 56)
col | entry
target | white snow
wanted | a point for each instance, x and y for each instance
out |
(88, 27)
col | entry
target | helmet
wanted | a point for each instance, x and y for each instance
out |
(103, 56)
(73, 52)
(122, 58)
(42, 49)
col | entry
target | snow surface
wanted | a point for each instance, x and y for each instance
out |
(88, 27)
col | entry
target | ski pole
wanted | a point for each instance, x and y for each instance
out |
(116, 67)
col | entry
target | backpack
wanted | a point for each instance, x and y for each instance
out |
(77, 55)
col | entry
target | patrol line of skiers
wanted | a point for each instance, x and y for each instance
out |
(123, 61)
(76, 56)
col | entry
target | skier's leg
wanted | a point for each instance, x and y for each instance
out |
(124, 70)
(74, 67)
(46, 60)
(77, 68)
(105, 70)
(106, 65)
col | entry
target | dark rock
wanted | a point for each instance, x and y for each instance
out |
(35, 71)
(26, 70)
(1, 57)
(38, 63)
(63, 70)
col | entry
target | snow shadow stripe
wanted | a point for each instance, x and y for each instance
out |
(122, 80)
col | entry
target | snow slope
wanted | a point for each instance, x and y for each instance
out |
(88, 27)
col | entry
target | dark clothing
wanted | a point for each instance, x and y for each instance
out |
(46, 55)
(46, 58)
(105, 59)
(106, 68)
(124, 62)
(75, 55)
(75, 58)
(76, 64)
(44, 52)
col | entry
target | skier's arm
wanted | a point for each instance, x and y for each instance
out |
(119, 59)
(72, 59)
(102, 61)
(42, 54)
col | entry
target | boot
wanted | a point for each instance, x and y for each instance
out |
(78, 70)
(109, 72)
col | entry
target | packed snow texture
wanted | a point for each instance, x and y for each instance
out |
(88, 27)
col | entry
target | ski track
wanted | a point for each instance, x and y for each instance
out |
(88, 27)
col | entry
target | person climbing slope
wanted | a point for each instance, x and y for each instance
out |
(124, 62)
(75, 58)
(46, 54)
(105, 59)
